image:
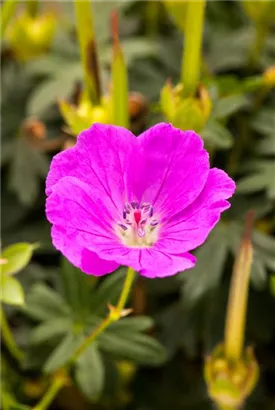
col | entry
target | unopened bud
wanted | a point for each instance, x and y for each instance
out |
(230, 383)
(29, 36)
(261, 12)
(269, 76)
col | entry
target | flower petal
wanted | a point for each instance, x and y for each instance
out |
(103, 157)
(80, 257)
(175, 168)
(190, 228)
(158, 264)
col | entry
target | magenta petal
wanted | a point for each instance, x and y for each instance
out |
(103, 157)
(190, 228)
(175, 168)
(157, 264)
(80, 257)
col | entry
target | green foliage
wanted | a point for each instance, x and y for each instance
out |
(65, 318)
(17, 257)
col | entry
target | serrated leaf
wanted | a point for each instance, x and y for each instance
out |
(63, 352)
(137, 347)
(217, 135)
(89, 373)
(50, 329)
(229, 105)
(18, 256)
(12, 292)
(44, 303)
(27, 168)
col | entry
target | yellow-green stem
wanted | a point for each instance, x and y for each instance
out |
(50, 394)
(191, 62)
(87, 43)
(9, 339)
(7, 11)
(32, 6)
(152, 17)
(114, 314)
(119, 79)
(238, 295)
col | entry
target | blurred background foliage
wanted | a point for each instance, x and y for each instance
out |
(152, 359)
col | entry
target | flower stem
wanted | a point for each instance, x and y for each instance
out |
(114, 315)
(50, 394)
(152, 18)
(9, 339)
(119, 79)
(86, 36)
(7, 10)
(191, 62)
(237, 303)
(32, 6)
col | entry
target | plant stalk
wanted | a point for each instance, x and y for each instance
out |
(87, 43)
(7, 11)
(50, 394)
(191, 61)
(9, 339)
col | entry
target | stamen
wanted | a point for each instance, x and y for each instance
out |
(134, 205)
(123, 227)
(154, 222)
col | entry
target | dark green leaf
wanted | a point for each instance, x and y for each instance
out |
(227, 106)
(89, 373)
(44, 303)
(217, 135)
(132, 324)
(51, 328)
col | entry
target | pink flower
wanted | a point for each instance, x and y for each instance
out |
(114, 199)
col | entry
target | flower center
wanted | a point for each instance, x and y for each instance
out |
(139, 227)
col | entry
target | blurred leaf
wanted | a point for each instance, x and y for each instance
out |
(12, 292)
(89, 373)
(108, 292)
(217, 135)
(261, 179)
(27, 168)
(206, 274)
(18, 256)
(267, 145)
(132, 324)
(50, 329)
(227, 106)
(75, 289)
(140, 348)
(44, 303)
(62, 352)
(264, 121)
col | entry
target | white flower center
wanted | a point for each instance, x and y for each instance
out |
(139, 228)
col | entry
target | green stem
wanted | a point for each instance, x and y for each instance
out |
(114, 315)
(7, 10)
(191, 62)
(86, 37)
(260, 36)
(238, 296)
(50, 394)
(9, 339)
(119, 79)
(32, 6)
(152, 17)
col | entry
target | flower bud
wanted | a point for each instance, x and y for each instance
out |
(82, 116)
(177, 10)
(185, 112)
(229, 384)
(269, 76)
(29, 36)
(261, 12)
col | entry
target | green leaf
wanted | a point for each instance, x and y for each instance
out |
(44, 303)
(63, 352)
(12, 292)
(75, 288)
(227, 106)
(262, 178)
(27, 168)
(267, 145)
(50, 329)
(206, 274)
(217, 135)
(108, 292)
(18, 256)
(258, 272)
(89, 373)
(264, 121)
(132, 324)
(137, 347)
